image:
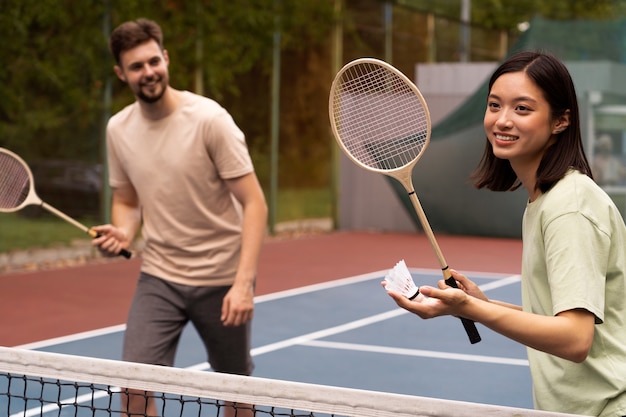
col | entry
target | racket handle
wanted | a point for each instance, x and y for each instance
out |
(125, 253)
(470, 327)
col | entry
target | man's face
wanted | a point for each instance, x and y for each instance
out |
(145, 69)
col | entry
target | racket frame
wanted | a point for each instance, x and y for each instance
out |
(403, 174)
(32, 199)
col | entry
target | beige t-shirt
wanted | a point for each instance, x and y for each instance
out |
(177, 165)
(574, 256)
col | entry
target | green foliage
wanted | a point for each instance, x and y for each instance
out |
(56, 72)
(19, 233)
(222, 39)
(303, 203)
(56, 61)
(507, 14)
(50, 80)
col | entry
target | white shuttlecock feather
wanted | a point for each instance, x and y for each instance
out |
(399, 280)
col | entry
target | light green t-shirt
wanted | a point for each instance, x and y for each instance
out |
(574, 256)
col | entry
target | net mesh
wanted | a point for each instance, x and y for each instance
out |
(34, 383)
(379, 118)
(14, 182)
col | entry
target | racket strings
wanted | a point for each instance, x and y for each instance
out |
(14, 182)
(381, 120)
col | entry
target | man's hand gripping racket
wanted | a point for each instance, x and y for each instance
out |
(17, 190)
(381, 122)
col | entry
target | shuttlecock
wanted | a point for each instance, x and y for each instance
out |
(399, 280)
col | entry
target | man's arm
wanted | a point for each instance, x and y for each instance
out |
(238, 304)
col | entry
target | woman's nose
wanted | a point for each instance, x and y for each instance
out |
(504, 121)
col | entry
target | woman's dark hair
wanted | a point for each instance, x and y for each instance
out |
(554, 80)
(132, 33)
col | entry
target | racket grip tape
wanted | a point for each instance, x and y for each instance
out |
(125, 253)
(469, 325)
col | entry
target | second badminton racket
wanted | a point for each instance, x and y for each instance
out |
(17, 190)
(382, 123)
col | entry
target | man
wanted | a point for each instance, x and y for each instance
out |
(179, 168)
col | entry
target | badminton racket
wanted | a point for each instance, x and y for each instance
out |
(381, 122)
(17, 190)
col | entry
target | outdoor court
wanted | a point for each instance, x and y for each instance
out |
(321, 316)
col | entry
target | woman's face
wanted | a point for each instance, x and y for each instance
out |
(518, 121)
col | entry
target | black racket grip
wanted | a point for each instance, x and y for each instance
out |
(126, 254)
(470, 327)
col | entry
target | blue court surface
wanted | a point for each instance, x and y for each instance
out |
(350, 333)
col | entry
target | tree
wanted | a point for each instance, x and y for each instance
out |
(56, 63)
(50, 82)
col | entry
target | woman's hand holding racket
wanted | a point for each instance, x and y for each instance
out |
(465, 284)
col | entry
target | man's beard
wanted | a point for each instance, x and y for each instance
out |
(151, 98)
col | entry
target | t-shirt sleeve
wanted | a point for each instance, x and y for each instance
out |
(576, 259)
(227, 147)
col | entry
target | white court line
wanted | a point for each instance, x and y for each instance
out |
(318, 287)
(473, 274)
(501, 283)
(258, 299)
(73, 337)
(416, 352)
(69, 402)
(254, 352)
(507, 280)
(309, 339)
(362, 322)
(271, 297)
(303, 339)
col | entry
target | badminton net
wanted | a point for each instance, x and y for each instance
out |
(43, 384)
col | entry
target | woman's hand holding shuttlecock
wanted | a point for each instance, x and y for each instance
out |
(426, 302)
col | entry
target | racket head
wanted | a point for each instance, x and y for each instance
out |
(16, 183)
(378, 116)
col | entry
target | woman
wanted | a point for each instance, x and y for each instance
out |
(573, 314)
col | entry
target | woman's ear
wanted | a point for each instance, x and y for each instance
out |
(561, 123)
